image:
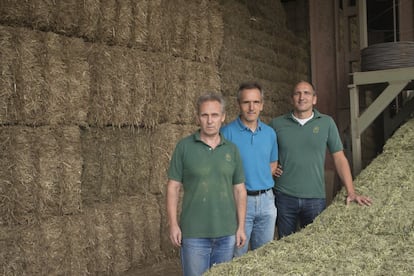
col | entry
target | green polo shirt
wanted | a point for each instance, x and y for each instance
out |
(208, 176)
(302, 151)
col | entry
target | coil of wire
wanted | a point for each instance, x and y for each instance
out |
(388, 55)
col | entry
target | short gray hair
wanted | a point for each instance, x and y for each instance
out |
(211, 97)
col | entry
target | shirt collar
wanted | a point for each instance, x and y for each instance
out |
(244, 127)
(198, 139)
(316, 114)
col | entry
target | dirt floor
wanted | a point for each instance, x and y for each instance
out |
(171, 268)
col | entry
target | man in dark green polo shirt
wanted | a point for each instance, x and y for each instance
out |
(303, 136)
(209, 169)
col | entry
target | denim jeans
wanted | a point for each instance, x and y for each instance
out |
(199, 254)
(260, 221)
(292, 210)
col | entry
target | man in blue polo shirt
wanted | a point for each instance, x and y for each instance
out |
(257, 143)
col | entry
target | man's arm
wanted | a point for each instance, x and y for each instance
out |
(173, 193)
(344, 172)
(240, 197)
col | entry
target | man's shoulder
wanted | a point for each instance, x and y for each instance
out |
(266, 128)
(186, 139)
(323, 116)
(279, 119)
(230, 124)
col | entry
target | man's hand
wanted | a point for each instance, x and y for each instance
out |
(361, 200)
(278, 171)
(175, 235)
(240, 238)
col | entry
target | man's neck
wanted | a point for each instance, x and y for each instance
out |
(303, 115)
(251, 125)
(212, 141)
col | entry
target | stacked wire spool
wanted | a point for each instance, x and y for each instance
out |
(387, 55)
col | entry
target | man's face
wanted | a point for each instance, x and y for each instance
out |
(303, 97)
(251, 104)
(210, 117)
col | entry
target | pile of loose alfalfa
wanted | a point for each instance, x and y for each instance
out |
(353, 240)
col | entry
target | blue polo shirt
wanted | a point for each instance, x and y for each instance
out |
(257, 149)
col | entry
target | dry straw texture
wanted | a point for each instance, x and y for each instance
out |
(93, 97)
(45, 78)
(189, 29)
(105, 240)
(256, 46)
(354, 240)
(40, 173)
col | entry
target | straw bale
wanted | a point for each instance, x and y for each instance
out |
(46, 77)
(67, 77)
(174, 27)
(107, 21)
(178, 77)
(33, 252)
(122, 227)
(67, 16)
(19, 197)
(216, 28)
(123, 26)
(375, 240)
(105, 239)
(10, 253)
(139, 28)
(89, 19)
(141, 90)
(138, 228)
(116, 162)
(121, 83)
(55, 244)
(152, 228)
(134, 161)
(163, 141)
(189, 50)
(30, 82)
(60, 168)
(45, 170)
(155, 18)
(79, 250)
(104, 246)
(107, 69)
(15, 11)
(8, 110)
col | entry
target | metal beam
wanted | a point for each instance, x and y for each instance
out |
(381, 76)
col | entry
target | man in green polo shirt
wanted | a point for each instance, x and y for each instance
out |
(303, 137)
(209, 169)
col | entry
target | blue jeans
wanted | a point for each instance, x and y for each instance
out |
(199, 254)
(292, 210)
(260, 221)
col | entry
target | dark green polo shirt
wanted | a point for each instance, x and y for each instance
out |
(208, 176)
(302, 151)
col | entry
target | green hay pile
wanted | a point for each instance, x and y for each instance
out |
(353, 240)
